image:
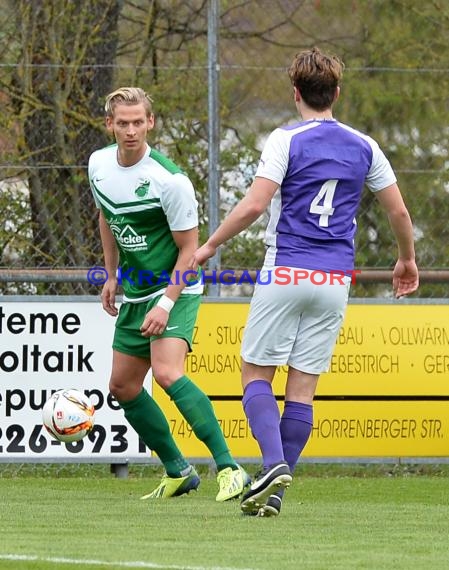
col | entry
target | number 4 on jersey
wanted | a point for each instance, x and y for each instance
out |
(326, 195)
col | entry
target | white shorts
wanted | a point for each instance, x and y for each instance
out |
(295, 321)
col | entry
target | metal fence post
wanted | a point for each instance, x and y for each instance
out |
(213, 21)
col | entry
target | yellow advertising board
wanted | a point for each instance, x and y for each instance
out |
(386, 393)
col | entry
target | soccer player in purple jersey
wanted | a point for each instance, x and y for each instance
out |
(312, 175)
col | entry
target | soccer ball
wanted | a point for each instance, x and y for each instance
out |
(68, 415)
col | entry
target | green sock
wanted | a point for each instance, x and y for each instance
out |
(197, 409)
(148, 420)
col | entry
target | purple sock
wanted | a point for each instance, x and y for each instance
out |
(296, 426)
(262, 412)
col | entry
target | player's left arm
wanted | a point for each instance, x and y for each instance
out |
(187, 243)
(180, 207)
(405, 273)
(156, 319)
(382, 181)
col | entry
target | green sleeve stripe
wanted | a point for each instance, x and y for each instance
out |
(165, 162)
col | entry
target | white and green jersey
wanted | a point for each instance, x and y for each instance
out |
(142, 205)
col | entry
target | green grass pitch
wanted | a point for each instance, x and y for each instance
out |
(333, 518)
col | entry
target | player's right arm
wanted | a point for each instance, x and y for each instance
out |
(405, 274)
(247, 211)
(111, 259)
(269, 175)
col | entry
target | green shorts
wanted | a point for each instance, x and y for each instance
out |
(181, 322)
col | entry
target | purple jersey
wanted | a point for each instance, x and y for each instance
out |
(321, 167)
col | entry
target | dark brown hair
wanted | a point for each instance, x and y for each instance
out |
(316, 76)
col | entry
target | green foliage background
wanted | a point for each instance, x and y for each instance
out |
(60, 58)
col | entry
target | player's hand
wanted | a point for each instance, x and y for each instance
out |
(154, 322)
(405, 278)
(201, 255)
(108, 297)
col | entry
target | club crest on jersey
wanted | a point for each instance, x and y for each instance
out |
(142, 190)
(128, 238)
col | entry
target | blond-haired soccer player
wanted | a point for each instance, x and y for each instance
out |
(149, 231)
(312, 175)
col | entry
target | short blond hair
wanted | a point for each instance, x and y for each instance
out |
(128, 96)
